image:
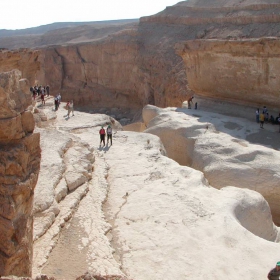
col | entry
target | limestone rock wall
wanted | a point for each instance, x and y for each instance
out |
(102, 73)
(244, 71)
(239, 71)
(19, 168)
(25, 60)
(159, 62)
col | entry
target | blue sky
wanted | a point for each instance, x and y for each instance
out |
(16, 14)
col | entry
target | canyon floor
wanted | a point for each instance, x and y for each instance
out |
(128, 209)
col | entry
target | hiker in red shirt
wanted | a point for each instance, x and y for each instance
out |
(43, 99)
(102, 134)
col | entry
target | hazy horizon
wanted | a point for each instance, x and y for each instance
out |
(30, 14)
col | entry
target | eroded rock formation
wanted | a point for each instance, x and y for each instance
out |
(160, 62)
(138, 210)
(211, 145)
(127, 209)
(19, 168)
(27, 61)
(100, 74)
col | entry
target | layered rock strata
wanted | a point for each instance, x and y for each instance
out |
(25, 60)
(238, 71)
(100, 74)
(19, 167)
(253, 65)
(158, 62)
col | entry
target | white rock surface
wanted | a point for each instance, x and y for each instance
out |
(142, 214)
(217, 146)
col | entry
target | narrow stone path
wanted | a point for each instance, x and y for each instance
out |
(72, 228)
(82, 244)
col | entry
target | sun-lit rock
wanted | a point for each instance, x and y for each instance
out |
(19, 168)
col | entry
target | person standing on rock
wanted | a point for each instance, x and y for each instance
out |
(34, 94)
(48, 90)
(102, 134)
(274, 273)
(265, 110)
(59, 99)
(109, 134)
(261, 119)
(70, 108)
(43, 99)
(56, 103)
(190, 102)
(258, 115)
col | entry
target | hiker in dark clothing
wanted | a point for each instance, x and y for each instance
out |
(48, 90)
(56, 103)
(274, 273)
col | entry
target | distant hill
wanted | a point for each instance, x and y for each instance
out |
(62, 33)
(57, 25)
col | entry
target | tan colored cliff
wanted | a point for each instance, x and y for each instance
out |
(25, 60)
(19, 168)
(140, 65)
(245, 71)
(100, 74)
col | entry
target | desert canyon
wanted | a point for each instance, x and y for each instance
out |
(181, 193)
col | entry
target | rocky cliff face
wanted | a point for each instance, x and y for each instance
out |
(19, 168)
(158, 62)
(245, 71)
(230, 68)
(27, 61)
(103, 73)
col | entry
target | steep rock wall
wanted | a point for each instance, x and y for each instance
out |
(98, 74)
(25, 60)
(244, 71)
(144, 65)
(241, 72)
(103, 73)
(19, 168)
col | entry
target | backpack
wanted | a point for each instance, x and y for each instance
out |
(102, 131)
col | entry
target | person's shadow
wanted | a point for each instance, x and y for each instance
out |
(105, 148)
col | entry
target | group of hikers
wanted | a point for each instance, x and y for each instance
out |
(43, 91)
(40, 91)
(263, 116)
(102, 134)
